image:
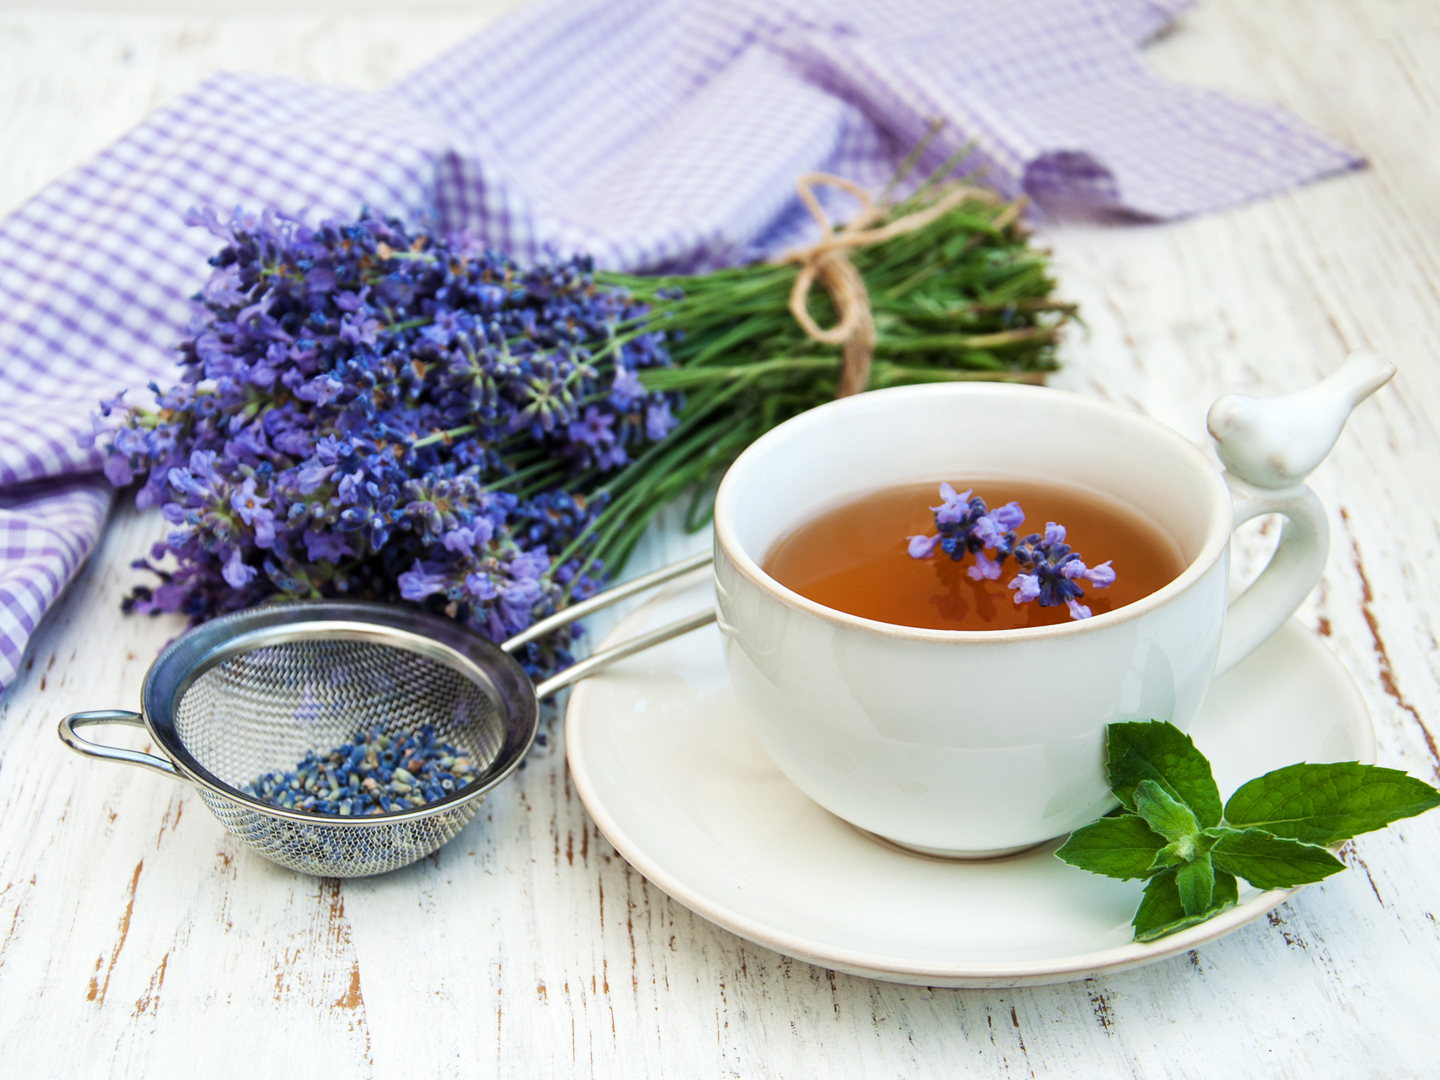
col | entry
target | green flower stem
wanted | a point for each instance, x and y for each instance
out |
(887, 374)
(728, 442)
(699, 407)
(620, 524)
(552, 477)
(520, 476)
(684, 378)
(443, 436)
(934, 342)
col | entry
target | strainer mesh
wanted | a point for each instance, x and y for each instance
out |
(263, 710)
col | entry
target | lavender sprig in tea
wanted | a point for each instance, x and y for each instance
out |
(1050, 571)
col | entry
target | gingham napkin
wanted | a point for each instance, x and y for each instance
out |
(651, 133)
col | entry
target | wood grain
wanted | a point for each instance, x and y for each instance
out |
(137, 939)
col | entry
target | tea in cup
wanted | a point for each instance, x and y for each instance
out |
(976, 742)
(852, 558)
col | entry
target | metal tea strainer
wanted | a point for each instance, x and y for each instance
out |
(254, 691)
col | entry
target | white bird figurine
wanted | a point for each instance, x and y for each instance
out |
(1276, 442)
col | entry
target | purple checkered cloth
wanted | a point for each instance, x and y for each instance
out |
(654, 134)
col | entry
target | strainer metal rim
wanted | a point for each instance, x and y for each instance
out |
(204, 647)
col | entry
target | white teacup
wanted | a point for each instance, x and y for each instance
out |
(978, 743)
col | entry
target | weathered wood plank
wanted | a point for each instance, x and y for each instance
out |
(137, 939)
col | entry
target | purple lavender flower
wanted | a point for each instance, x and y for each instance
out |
(594, 429)
(517, 604)
(992, 526)
(466, 538)
(530, 565)
(86, 439)
(1026, 586)
(224, 289)
(310, 477)
(1009, 516)
(418, 583)
(658, 420)
(627, 390)
(246, 502)
(953, 506)
(321, 390)
(922, 547)
(351, 302)
(263, 523)
(325, 545)
(985, 568)
(1049, 569)
(611, 457)
(253, 510)
(480, 586)
(359, 330)
(321, 279)
(202, 466)
(1102, 576)
(349, 491)
(118, 471)
(237, 575)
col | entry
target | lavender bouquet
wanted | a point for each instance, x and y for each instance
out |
(373, 411)
(297, 457)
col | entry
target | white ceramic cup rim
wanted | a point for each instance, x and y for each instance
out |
(1207, 478)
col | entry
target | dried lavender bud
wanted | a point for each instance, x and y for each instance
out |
(373, 774)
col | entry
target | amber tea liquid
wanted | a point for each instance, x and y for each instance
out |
(853, 557)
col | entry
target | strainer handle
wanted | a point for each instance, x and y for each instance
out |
(605, 657)
(613, 595)
(112, 753)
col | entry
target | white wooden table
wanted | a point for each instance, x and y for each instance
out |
(137, 939)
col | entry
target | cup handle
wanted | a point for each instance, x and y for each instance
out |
(1292, 572)
(1269, 446)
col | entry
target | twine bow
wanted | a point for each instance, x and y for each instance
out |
(828, 262)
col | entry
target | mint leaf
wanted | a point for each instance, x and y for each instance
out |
(1161, 912)
(1155, 750)
(1160, 906)
(1324, 804)
(1195, 882)
(1269, 862)
(1118, 847)
(1171, 819)
(1173, 830)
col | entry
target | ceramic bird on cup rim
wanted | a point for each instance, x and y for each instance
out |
(974, 744)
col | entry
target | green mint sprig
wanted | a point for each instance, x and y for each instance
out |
(1172, 831)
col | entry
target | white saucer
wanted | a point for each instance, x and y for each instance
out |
(672, 775)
